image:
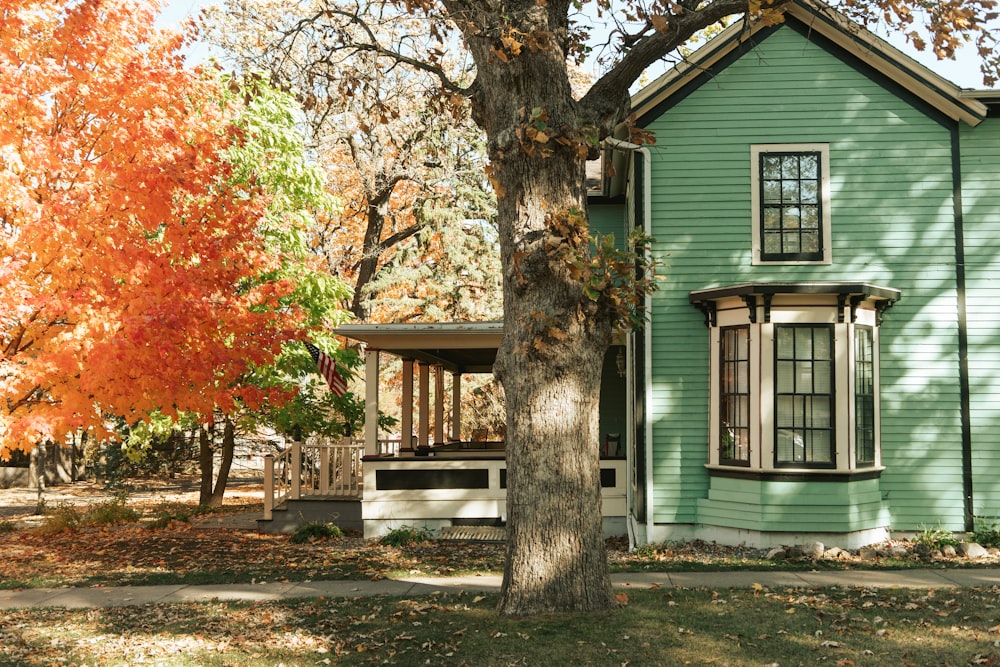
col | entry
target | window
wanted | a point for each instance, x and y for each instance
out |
(734, 396)
(790, 199)
(794, 378)
(864, 395)
(803, 396)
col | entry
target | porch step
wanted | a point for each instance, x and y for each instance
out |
(346, 514)
(473, 534)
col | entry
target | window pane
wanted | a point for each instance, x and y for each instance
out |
(734, 396)
(791, 182)
(810, 242)
(809, 165)
(772, 192)
(790, 244)
(803, 400)
(785, 377)
(790, 217)
(810, 217)
(810, 192)
(790, 167)
(772, 218)
(772, 243)
(771, 167)
(864, 396)
(790, 191)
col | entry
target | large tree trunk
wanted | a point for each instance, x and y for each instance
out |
(205, 461)
(550, 361)
(228, 450)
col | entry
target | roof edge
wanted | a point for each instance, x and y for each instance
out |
(940, 93)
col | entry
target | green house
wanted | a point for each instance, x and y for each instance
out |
(823, 357)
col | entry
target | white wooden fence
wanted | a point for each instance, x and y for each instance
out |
(317, 468)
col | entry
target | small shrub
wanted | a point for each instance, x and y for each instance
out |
(936, 538)
(6, 527)
(405, 536)
(60, 518)
(110, 512)
(986, 534)
(167, 515)
(313, 531)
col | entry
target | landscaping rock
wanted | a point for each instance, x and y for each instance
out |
(898, 552)
(925, 551)
(776, 554)
(813, 550)
(833, 553)
(948, 551)
(869, 553)
(972, 550)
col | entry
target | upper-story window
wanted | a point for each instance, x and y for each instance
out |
(791, 203)
(794, 377)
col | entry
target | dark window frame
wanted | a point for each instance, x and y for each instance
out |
(734, 405)
(781, 210)
(865, 440)
(804, 402)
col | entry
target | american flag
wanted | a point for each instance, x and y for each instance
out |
(327, 368)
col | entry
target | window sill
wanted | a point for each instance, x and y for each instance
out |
(795, 474)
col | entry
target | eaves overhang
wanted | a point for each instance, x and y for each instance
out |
(816, 17)
(459, 347)
(851, 294)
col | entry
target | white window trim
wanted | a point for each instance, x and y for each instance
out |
(732, 312)
(825, 224)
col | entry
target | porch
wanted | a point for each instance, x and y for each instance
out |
(429, 476)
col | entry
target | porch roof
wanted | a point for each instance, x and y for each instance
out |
(460, 347)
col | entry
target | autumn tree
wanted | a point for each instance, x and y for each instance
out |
(563, 298)
(408, 171)
(142, 267)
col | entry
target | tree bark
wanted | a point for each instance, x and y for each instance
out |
(555, 337)
(205, 461)
(228, 450)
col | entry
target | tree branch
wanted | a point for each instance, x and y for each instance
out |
(607, 99)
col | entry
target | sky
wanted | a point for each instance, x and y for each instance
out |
(964, 71)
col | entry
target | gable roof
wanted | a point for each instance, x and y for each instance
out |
(816, 18)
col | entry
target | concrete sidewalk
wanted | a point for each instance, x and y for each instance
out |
(126, 596)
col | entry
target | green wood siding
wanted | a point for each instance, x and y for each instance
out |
(608, 219)
(794, 506)
(892, 224)
(980, 151)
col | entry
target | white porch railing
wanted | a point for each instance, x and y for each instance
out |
(316, 468)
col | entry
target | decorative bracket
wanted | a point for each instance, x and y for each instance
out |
(751, 301)
(880, 308)
(709, 309)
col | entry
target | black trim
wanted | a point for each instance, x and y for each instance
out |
(743, 290)
(963, 328)
(821, 465)
(807, 30)
(824, 477)
(392, 480)
(867, 70)
(745, 45)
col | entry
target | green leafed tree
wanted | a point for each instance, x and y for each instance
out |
(408, 169)
(564, 296)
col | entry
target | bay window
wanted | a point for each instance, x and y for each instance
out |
(794, 376)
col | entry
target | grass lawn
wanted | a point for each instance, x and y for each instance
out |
(125, 543)
(655, 627)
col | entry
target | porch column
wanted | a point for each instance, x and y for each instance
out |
(438, 404)
(456, 406)
(371, 402)
(406, 420)
(424, 378)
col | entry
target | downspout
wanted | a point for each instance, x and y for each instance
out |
(644, 154)
(963, 330)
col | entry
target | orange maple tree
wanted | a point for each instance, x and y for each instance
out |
(132, 271)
